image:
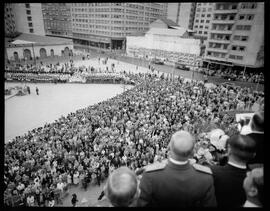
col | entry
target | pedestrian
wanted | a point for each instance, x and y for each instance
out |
(74, 200)
(28, 89)
(37, 91)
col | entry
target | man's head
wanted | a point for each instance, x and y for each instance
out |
(241, 148)
(253, 185)
(257, 122)
(122, 187)
(181, 145)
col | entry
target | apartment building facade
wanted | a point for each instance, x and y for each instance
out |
(236, 36)
(10, 27)
(57, 19)
(28, 18)
(202, 19)
(105, 25)
(182, 13)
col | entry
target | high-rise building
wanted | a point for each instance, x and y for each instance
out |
(28, 18)
(105, 25)
(202, 20)
(57, 19)
(182, 14)
(236, 36)
(10, 27)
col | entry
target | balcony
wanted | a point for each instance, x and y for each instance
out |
(215, 40)
(223, 21)
(225, 11)
(220, 31)
(220, 50)
(215, 58)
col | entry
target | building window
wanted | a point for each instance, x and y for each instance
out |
(241, 17)
(201, 26)
(236, 37)
(232, 56)
(200, 32)
(197, 21)
(30, 24)
(208, 15)
(203, 15)
(27, 5)
(206, 27)
(207, 21)
(242, 48)
(196, 26)
(234, 48)
(202, 21)
(234, 7)
(28, 12)
(29, 18)
(244, 38)
(209, 9)
(31, 30)
(250, 17)
(205, 32)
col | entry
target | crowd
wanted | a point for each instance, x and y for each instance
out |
(233, 75)
(131, 129)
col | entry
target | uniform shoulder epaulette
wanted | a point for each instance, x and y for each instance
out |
(155, 166)
(202, 168)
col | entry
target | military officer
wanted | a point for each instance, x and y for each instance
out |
(177, 182)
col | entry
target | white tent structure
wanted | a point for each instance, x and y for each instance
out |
(22, 42)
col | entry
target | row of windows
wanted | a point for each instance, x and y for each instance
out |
(220, 37)
(222, 27)
(201, 32)
(202, 21)
(224, 17)
(201, 26)
(248, 5)
(216, 54)
(243, 27)
(236, 57)
(246, 17)
(226, 6)
(204, 9)
(238, 48)
(240, 38)
(218, 45)
(203, 15)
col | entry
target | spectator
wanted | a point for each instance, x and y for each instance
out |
(178, 183)
(253, 186)
(228, 179)
(121, 189)
(74, 199)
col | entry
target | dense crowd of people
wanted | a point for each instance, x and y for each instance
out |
(233, 75)
(131, 129)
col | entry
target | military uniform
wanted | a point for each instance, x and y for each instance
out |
(169, 184)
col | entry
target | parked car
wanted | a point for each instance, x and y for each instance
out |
(157, 61)
(181, 66)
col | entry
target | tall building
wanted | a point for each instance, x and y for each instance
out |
(10, 27)
(105, 25)
(57, 19)
(28, 18)
(182, 14)
(236, 36)
(202, 20)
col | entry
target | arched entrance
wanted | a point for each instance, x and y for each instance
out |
(42, 53)
(16, 56)
(27, 54)
(66, 51)
(52, 53)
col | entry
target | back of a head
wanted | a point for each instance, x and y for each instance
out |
(181, 145)
(121, 187)
(257, 122)
(242, 147)
(258, 182)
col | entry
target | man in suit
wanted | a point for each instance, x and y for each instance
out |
(121, 189)
(177, 182)
(228, 179)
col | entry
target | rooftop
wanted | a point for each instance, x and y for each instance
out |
(36, 39)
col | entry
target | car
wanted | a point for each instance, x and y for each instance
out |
(158, 61)
(181, 66)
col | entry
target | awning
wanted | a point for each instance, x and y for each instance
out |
(22, 42)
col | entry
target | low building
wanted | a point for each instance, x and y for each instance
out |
(28, 46)
(167, 42)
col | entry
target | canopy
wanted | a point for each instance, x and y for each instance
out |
(21, 42)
